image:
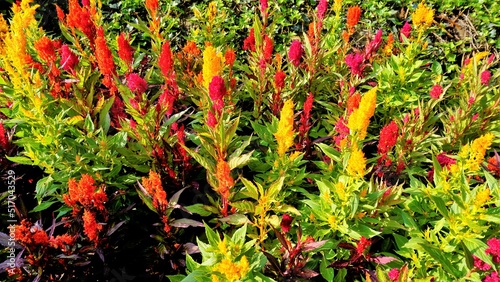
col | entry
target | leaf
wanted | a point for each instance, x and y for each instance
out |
(20, 160)
(244, 206)
(235, 219)
(89, 124)
(330, 152)
(239, 161)
(43, 206)
(307, 247)
(204, 162)
(274, 262)
(252, 191)
(115, 227)
(325, 271)
(176, 278)
(275, 188)
(478, 248)
(198, 209)
(441, 206)
(185, 222)
(381, 275)
(383, 260)
(175, 198)
(239, 235)
(441, 258)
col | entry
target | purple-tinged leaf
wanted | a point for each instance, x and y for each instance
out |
(382, 260)
(185, 222)
(306, 247)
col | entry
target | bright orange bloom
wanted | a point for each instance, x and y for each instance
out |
(389, 45)
(353, 102)
(152, 7)
(224, 177)
(154, 188)
(103, 54)
(125, 51)
(30, 235)
(81, 19)
(46, 49)
(191, 48)
(285, 134)
(90, 226)
(61, 241)
(230, 57)
(360, 117)
(353, 15)
(84, 193)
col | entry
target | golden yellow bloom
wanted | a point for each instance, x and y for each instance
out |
(212, 11)
(360, 117)
(482, 197)
(389, 45)
(222, 245)
(423, 16)
(212, 64)
(337, 7)
(284, 135)
(332, 221)
(15, 58)
(4, 29)
(472, 155)
(231, 270)
(357, 163)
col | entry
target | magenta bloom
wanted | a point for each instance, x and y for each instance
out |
(68, 59)
(481, 265)
(136, 83)
(405, 31)
(295, 52)
(286, 222)
(485, 77)
(217, 91)
(494, 249)
(373, 45)
(263, 6)
(211, 120)
(436, 91)
(355, 63)
(394, 274)
(493, 277)
(322, 7)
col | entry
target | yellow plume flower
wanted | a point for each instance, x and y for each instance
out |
(284, 135)
(212, 11)
(423, 16)
(360, 117)
(4, 29)
(472, 155)
(233, 271)
(357, 163)
(482, 197)
(212, 64)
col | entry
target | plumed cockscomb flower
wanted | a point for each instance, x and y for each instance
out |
(279, 79)
(485, 77)
(388, 137)
(394, 274)
(268, 48)
(229, 57)
(285, 133)
(321, 9)
(286, 223)
(125, 51)
(353, 15)
(295, 52)
(136, 83)
(355, 63)
(436, 91)
(4, 142)
(211, 120)
(68, 59)
(90, 226)
(493, 277)
(481, 265)
(494, 249)
(423, 16)
(103, 54)
(249, 42)
(357, 163)
(405, 31)
(217, 91)
(165, 61)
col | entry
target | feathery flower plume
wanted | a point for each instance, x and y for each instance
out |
(217, 91)
(485, 77)
(295, 52)
(423, 16)
(224, 178)
(389, 45)
(405, 31)
(154, 188)
(68, 59)
(321, 9)
(46, 49)
(136, 83)
(494, 249)
(249, 42)
(263, 6)
(212, 65)
(357, 162)
(353, 102)
(284, 134)
(103, 54)
(353, 16)
(360, 117)
(279, 79)
(80, 18)
(4, 29)
(125, 51)
(232, 271)
(355, 63)
(90, 226)
(4, 142)
(211, 120)
(165, 61)
(85, 193)
(472, 155)
(436, 91)
(388, 137)
(286, 223)
(229, 57)
(152, 7)
(268, 48)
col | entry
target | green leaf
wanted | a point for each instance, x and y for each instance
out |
(477, 248)
(198, 209)
(381, 275)
(43, 206)
(213, 238)
(325, 271)
(330, 152)
(441, 206)
(20, 160)
(251, 191)
(204, 162)
(89, 124)
(176, 278)
(275, 188)
(235, 219)
(442, 258)
(239, 235)
(244, 206)
(239, 161)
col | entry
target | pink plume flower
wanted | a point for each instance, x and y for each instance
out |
(405, 31)
(136, 83)
(68, 59)
(322, 7)
(355, 63)
(436, 91)
(485, 77)
(295, 52)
